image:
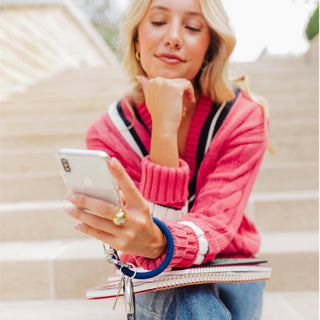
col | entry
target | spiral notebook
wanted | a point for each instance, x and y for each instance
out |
(216, 271)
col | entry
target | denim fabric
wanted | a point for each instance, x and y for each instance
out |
(243, 300)
(236, 301)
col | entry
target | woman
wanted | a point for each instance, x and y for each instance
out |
(186, 147)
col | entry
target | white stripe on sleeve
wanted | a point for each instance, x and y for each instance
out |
(167, 213)
(203, 242)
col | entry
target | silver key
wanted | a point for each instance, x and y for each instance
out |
(129, 298)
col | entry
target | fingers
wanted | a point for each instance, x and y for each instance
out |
(132, 195)
(86, 217)
(93, 224)
(96, 233)
(183, 86)
(90, 217)
(97, 206)
(186, 88)
(119, 237)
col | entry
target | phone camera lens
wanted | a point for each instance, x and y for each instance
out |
(65, 165)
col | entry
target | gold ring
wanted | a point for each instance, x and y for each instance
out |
(120, 217)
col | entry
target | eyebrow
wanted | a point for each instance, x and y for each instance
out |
(163, 8)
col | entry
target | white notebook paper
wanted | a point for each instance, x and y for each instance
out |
(220, 272)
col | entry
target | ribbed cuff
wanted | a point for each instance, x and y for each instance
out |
(186, 248)
(165, 185)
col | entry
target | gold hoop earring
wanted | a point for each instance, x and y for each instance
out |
(138, 56)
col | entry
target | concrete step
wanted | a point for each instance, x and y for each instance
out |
(63, 138)
(59, 105)
(296, 105)
(282, 211)
(288, 148)
(291, 305)
(28, 160)
(51, 269)
(42, 186)
(51, 123)
(302, 149)
(56, 98)
(294, 257)
(67, 309)
(72, 95)
(31, 187)
(274, 64)
(287, 177)
(47, 125)
(63, 269)
(46, 220)
(294, 128)
(97, 77)
(273, 78)
(282, 105)
(276, 306)
(288, 152)
(280, 84)
(88, 88)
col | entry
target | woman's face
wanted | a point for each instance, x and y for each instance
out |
(173, 38)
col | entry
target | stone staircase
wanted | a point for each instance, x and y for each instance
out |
(284, 203)
(41, 38)
(44, 260)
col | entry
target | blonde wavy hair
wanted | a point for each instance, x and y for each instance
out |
(213, 79)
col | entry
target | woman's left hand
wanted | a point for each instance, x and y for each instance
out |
(137, 236)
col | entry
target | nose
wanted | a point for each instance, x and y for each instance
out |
(173, 38)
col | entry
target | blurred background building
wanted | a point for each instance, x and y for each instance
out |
(57, 74)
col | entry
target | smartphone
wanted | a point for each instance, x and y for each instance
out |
(87, 172)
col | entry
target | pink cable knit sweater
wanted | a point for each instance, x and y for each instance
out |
(215, 224)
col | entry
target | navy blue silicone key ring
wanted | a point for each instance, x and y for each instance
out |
(163, 265)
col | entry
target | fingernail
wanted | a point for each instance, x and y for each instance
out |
(78, 227)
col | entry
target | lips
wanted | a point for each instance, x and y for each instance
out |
(170, 58)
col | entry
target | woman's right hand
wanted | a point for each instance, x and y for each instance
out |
(139, 235)
(166, 100)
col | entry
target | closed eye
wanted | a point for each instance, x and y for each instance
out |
(157, 23)
(193, 29)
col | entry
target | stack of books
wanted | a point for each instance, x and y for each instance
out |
(215, 271)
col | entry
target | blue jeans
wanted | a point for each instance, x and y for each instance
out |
(236, 301)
